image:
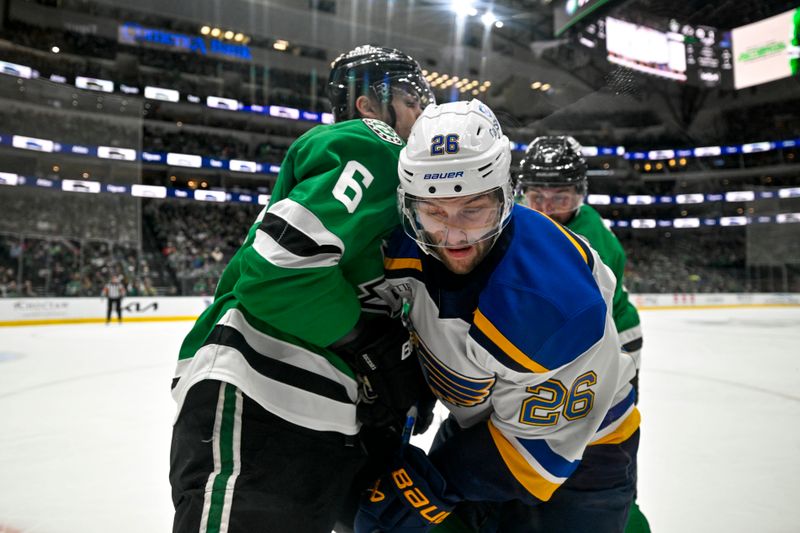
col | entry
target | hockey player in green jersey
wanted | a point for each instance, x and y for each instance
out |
(297, 352)
(552, 177)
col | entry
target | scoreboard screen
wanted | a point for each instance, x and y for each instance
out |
(646, 49)
(709, 60)
(766, 50)
(694, 54)
(567, 13)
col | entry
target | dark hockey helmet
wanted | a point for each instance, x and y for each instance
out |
(377, 72)
(552, 161)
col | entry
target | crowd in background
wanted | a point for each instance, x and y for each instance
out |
(31, 267)
(688, 264)
(71, 246)
(197, 240)
(186, 245)
(149, 136)
(99, 57)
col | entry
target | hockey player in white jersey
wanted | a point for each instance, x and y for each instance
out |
(512, 315)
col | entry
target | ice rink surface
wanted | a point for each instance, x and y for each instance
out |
(85, 416)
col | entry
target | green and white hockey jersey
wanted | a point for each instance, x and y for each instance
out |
(310, 265)
(588, 223)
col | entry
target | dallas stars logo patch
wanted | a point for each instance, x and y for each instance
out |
(383, 130)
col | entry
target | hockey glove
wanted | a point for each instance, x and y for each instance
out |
(389, 375)
(425, 405)
(413, 497)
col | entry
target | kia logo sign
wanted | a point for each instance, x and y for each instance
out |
(136, 307)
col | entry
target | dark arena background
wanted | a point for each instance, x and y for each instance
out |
(140, 140)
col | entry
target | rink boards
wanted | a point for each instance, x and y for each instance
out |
(40, 311)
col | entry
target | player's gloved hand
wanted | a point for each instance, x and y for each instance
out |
(390, 377)
(413, 496)
(425, 405)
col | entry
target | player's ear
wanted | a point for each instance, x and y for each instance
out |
(367, 107)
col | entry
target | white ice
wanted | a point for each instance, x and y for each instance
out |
(85, 418)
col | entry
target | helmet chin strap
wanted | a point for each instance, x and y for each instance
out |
(392, 114)
(387, 106)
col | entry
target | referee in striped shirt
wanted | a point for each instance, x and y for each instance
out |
(114, 291)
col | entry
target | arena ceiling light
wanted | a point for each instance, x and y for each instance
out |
(489, 19)
(205, 30)
(463, 8)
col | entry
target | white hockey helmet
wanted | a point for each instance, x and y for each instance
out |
(455, 150)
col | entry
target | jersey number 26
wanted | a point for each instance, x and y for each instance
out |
(551, 400)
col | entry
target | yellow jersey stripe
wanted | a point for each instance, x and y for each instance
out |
(401, 263)
(488, 329)
(570, 237)
(520, 468)
(623, 431)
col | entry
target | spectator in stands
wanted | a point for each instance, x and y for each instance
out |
(73, 287)
(27, 289)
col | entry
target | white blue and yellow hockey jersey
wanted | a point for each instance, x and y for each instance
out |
(524, 353)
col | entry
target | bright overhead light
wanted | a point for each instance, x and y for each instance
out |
(463, 8)
(546, 87)
(205, 30)
(55, 49)
(215, 32)
(488, 18)
(498, 24)
(229, 35)
(280, 44)
(239, 37)
(536, 85)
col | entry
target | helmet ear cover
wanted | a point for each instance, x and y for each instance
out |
(455, 151)
(375, 72)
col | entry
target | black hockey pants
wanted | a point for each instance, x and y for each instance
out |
(236, 467)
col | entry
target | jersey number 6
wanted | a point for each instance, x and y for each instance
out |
(551, 399)
(347, 181)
